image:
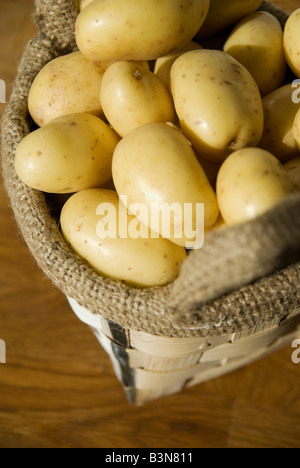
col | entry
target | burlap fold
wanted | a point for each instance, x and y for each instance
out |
(243, 277)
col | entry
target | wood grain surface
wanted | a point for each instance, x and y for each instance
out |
(58, 388)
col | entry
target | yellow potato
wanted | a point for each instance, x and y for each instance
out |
(66, 85)
(292, 42)
(225, 13)
(220, 224)
(155, 164)
(83, 3)
(250, 182)
(218, 103)
(293, 168)
(71, 153)
(257, 43)
(163, 65)
(280, 109)
(132, 96)
(138, 29)
(144, 262)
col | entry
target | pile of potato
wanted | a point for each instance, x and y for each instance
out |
(170, 101)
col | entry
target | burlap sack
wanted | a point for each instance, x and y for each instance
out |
(243, 277)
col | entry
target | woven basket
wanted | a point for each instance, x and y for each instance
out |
(235, 300)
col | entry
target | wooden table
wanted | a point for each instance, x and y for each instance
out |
(58, 388)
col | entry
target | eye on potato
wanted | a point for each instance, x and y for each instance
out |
(144, 262)
(70, 154)
(131, 96)
(218, 103)
(257, 43)
(138, 29)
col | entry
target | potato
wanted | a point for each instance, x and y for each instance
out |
(163, 65)
(155, 164)
(71, 153)
(280, 110)
(257, 43)
(220, 224)
(291, 41)
(83, 3)
(66, 85)
(225, 13)
(137, 29)
(218, 103)
(293, 168)
(144, 262)
(132, 96)
(250, 182)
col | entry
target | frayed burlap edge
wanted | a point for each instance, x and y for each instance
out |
(242, 278)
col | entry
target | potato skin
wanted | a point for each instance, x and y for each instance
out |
(156, 164)
(293, 168)
(66, 85)
(250, 182)
(163, 65)
(143, 262)
(138, 29)
(225, 13)
(83, 4)
(71, 153)
(280, 111)
(132, 96)
(292, 42)
(218, 103)
(257, 43)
